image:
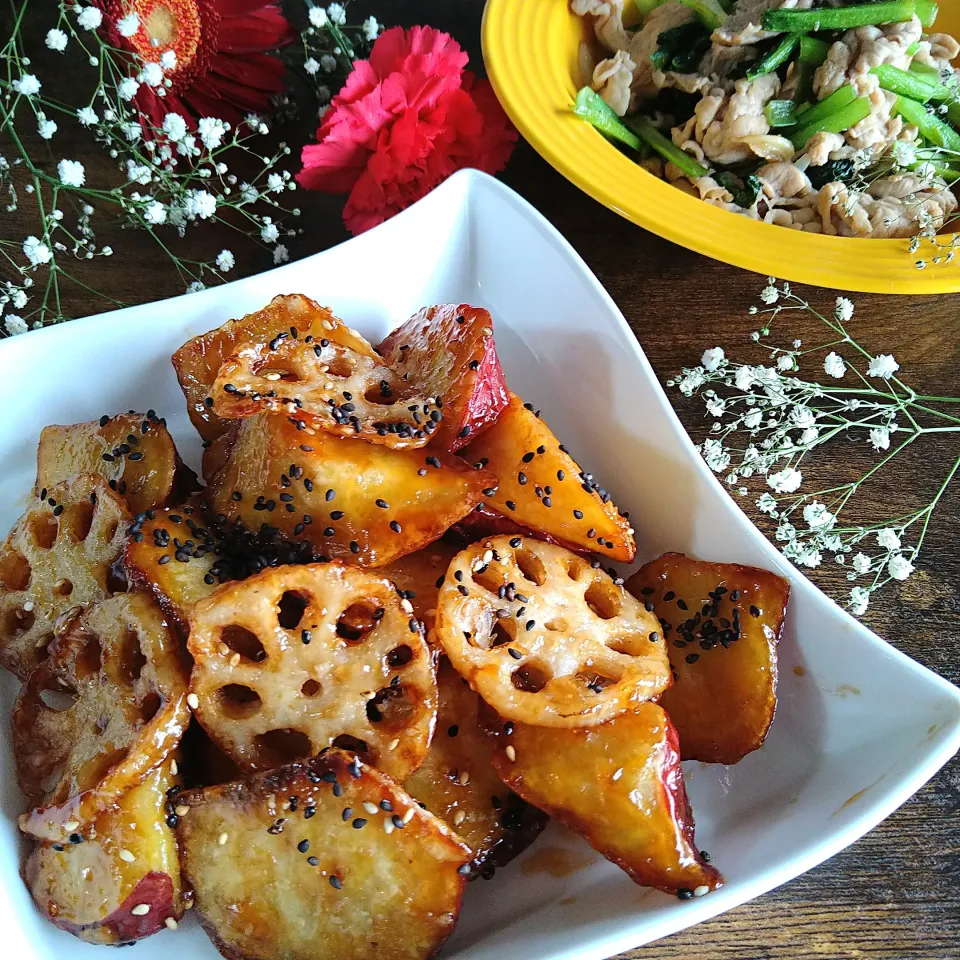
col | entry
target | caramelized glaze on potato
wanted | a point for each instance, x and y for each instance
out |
(327, 858)
(620, 786)
(722, 623)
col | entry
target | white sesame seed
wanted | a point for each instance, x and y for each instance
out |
(234, 659)
(170, 923)
(326, 324)
(224, 650)
(393, 744)
(28, 606)
(272, 376)
(464, 778)
(193, 701)
(174, 769)
(406, 605)
(486, 332)
(182, 810)
(223, 838)
(141, 910)
(458, 818)
(701, 891)
(127, 856)
(371, 808)
(409, 815)
(71, 825)
(388, 827)
(511, 753)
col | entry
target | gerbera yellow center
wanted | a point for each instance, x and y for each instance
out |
(168, 25)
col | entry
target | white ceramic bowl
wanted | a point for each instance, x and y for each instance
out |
(861, 730)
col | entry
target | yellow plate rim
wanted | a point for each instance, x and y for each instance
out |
(530, 53)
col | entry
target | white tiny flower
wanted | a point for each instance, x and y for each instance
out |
(785, 481)
(311, 66)
(786, 531)
(168, 59)
(859, 601)
(716, 406)
(692, 379)
(318, 17)
(15, 324)
(834, 366)
(337, 13)
(323, 93)
(834, 544)
(904, 153)
(899, 567)
(712, 359)
(225, 261)
(883, 366)
(743, 378)
(767, 504)
(19, 299)
(202, 204)
(36, 251)
(152, 74)
(46, 128)
(818, 517)
(861, 563)
(802, 417)
(280, 254)
(808, 436)
(786, 362)
(56, 40)
(127, 88)
(174, 126)
(769, 294)
(370, 29)
(107, 251)
(28, 85)
(138, 172)
(888, 539)
(269, 232)
(804, 554)
(87, 116)
(211, 130)
(716, 457)
(880, 438)
(275, 183)
(752, 420)
(196, 287)
(132, 131)
(155, 212)
(90, 18)
(127, 26)
(71, 173)
(844, 309)
(249, 194)
(328, 63)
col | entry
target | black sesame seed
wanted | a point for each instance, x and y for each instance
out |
(511, 505)
(354, 546)
(516, 654)
(682, 604)
(359, 823)
(692, 657)
(754, 610)
(684, 894)
(172, 820)
(382, 504)
(335, 881)
(303, 846)
(329, 495)
(669, 595)
(527, 457)
(397, 821)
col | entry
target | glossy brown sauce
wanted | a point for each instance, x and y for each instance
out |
(555, 862)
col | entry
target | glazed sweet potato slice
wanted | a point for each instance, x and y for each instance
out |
(327, 858)
(199, 359)
(620, 786)
(545, 637)
(122, 883)
(298, 658)
(118, 663)
(722, 623)
(448, 351)
(133, 452)
(458, 784)
(360, 502)
(59, 555)
(331, 386)
(542, 486)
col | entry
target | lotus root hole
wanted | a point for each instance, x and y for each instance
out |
(98, 767)
(596, 681)
(575, 569)
(14, 571)
(63, 587)
(58, 700)
(43, 529)
(339, 367)
(359, 620)
(399, 656)
(130, 657)
(150, 706)
(90, 658)
(604, 599)
(277, 373)
(376, 395)
(291, 608)
(629, 646)
(489, 579)
(241, 640)
(311, 688)
(277, 747)
(16, 620)
(77, 520)
(531, 566)
(392, 708)
(353, 744)
(111, 531)
(238, 702)
(499, 635)
(532, 677)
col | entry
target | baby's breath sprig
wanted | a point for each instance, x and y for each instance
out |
(328, 47)
(169, 177)
(768, 421)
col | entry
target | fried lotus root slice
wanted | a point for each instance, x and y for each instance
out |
(546, 638)
(542, 487)
(133, 452)
(620, 786)
(459, 785)
(291, 315)
(354, 501)
(59, 555)
(327, 858)
(119, 665)
(298, 658)
(97, 890)
(177, 577)
(722, 623)
(329, 386)
(448, 351)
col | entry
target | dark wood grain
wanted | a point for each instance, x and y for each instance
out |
(895, 895)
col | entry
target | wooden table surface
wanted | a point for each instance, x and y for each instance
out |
(894, 895)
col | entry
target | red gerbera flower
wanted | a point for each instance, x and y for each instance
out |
(405, 120)
(222, 66)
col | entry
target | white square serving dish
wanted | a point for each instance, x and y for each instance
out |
(860, 727)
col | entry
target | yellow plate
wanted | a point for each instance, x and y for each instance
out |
(530, 48)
